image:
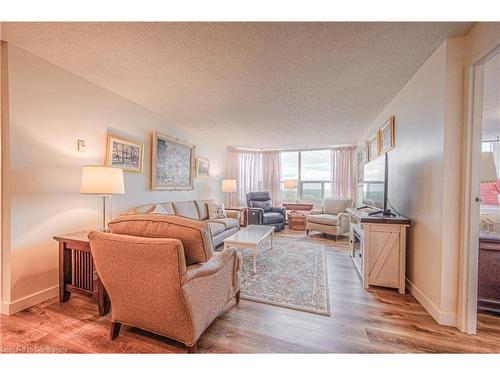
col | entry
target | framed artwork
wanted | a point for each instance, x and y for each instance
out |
(202, 167)
(124, 153)
(373, 145)
(387, 136)
(172, 163)
(362, 158)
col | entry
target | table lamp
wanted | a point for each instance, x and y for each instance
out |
(229, 186)
(290, 185)
(488, 167)
(103, 182)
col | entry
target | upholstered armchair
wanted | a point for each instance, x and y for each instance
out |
(162, 275)
(331, 218)
(262, 212)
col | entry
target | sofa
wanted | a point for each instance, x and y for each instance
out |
(197, 209)
(331, 218)
(262, 212)
(162, 275)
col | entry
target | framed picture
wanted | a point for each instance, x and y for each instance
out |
(202, 167)
(373, 145)
(172, 163)
(124, 153)
(387, 136)
(362, 158)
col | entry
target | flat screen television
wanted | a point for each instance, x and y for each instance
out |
(374, 183)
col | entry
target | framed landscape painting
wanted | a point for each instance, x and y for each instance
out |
(172, 164)
(125, 154)
(387, 136)
(202, 167)
(374, 146)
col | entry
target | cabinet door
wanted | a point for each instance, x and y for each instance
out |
(384, 256)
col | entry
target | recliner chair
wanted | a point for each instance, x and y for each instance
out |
(262, 212)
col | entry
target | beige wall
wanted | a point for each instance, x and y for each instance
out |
(423, 183)
(50, 109)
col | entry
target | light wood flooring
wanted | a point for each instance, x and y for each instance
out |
(362, 321)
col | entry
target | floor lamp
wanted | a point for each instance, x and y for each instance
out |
(102, 182)
(290, 185)
(229, 186)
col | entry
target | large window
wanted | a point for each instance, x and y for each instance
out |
(306, 175)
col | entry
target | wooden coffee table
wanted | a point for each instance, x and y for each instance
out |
(252, 237)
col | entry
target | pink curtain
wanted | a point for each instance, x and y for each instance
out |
(343, 173)
(271, 172)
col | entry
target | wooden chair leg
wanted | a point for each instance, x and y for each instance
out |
(115, 330)
(238, 297)
(324, 235)
(192, 349)
(307, 232)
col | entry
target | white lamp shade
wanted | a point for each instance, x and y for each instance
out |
(102, 181)
(228, 186)
(488, 167)
(290, 184)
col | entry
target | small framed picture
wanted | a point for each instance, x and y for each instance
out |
(373, 145)
(362, 159)
(387, 136)
(202, 167)
(124, 153)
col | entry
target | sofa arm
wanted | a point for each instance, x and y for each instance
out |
(214, 265)
(280, 210)
(343, 219)
(255, 216)
(234, 214)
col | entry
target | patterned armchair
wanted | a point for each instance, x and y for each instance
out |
(262, 212)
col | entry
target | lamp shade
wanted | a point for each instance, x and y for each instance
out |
(102, 181)
(290, 184)
(228, 186)
(488, 167)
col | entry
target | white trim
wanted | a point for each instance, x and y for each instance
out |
(29, 301)
(441, 317)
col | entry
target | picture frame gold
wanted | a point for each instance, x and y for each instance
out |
(387, 136)
(172, 163)
(202, 167)
(124, 153)
(373, 145)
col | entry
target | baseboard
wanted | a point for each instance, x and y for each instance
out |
(29, 301)
(441, 317)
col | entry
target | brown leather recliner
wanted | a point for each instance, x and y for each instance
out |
(162, 275)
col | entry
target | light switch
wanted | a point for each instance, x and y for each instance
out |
(82, 147)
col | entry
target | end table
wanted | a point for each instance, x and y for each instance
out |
(77, 272)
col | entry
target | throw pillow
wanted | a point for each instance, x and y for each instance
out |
(216, 210)
(265, 205)
(159, 210)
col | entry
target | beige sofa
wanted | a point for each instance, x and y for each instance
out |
(220, 228)
(162, 275)
(331, 218)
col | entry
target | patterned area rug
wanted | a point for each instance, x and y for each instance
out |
(293, 275)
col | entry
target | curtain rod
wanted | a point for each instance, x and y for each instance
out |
(241, 148)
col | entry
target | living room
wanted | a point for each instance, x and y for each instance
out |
(248, 187)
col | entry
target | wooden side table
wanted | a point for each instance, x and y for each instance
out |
(244, 213)
(77, 272)
(298, 206)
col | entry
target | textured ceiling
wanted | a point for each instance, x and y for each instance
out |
(250, 84)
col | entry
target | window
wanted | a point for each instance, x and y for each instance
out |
(306, 175)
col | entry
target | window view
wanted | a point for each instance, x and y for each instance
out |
(306, 175)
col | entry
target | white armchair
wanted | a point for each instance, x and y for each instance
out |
(331, 218)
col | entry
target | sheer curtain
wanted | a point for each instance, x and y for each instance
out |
(254, 171)
(271, 172)
(343, 176)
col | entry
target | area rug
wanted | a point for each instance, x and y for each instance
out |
(293, 275)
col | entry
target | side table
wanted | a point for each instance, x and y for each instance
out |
(77, 272)
(244, 213)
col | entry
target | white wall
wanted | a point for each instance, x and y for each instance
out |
(424, 175)
(50, 109)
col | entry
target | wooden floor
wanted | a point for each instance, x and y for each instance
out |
(374, 321)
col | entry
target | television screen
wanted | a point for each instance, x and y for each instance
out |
(373, 184)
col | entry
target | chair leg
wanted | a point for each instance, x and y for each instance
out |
(324, 235)
(307, 232)
(238, 297)
(192, 349)
(115, 330)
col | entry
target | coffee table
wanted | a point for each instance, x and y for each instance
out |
(252, 237)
